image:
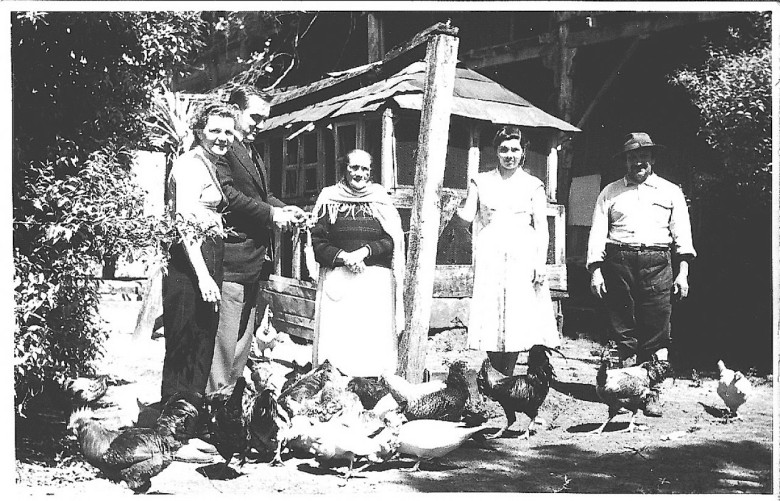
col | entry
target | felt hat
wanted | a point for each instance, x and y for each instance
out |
(636, 140)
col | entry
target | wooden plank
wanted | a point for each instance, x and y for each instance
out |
(441, 59)
(473, 165)
(376, 36)
(277, 251)
(290, 304)
(290, 286)
(307, 323)
(551, 183)
(423, 37)
(294, 330)
(296, 258)
(556, 277)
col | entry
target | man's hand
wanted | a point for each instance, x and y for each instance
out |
(283, 219)
(540, 274)
(680, 286)
(298, 215)
(597, 285)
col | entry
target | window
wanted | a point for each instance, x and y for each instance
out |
(301, 172)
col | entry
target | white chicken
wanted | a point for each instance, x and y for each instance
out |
(334, 440)
(266, 336)
(432, 438)
(733, 387)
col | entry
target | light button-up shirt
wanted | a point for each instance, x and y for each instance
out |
(653, 213)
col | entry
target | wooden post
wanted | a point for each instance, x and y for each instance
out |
(376, 37)
(563, 69)
(552, 170)
(440, 59)
(388, 150)
(473, 165)
(277, 251)
(296, 258)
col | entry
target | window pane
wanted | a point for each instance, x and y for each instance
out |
(347, 138)
(406, 134)
(374, 147)
(456, 167)
(330, 158)
(310, 180)
(291, 182)
(292, 151)
(310, 148)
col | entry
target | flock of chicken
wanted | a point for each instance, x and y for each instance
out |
(339, 419)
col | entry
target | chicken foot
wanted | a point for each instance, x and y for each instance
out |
(510, 420)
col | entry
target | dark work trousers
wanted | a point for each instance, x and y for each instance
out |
(638, 300)
(190, 323)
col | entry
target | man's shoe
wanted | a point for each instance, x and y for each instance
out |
(653, 404)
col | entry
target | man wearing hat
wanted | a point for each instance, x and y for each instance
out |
(640, 221)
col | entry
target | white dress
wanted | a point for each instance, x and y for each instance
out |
(508, 311)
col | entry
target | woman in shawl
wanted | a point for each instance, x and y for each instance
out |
(511, 308)
(358, 242)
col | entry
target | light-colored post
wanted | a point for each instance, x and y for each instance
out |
(441, 60)
(388, 150)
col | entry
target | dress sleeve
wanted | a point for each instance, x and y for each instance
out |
(324, 251)
(539, 214)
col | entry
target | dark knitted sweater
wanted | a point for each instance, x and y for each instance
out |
(350, 231)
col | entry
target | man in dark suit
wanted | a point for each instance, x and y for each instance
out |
(252, 213)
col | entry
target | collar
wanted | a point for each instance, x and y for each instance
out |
(651, 181)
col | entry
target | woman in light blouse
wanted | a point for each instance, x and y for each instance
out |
(191, 288)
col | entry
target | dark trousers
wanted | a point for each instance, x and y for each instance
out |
(638, 300)
(190, 323)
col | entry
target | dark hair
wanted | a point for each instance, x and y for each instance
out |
(510, 132)
(240, 96)
(212, 109)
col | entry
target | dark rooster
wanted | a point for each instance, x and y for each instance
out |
(267, 424)
(368, 390)
(135, 455)
(628, 388)
(318, 390)
(226, 422)
(522, 393)
(446, 404)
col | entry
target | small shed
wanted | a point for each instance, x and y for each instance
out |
(313, 126)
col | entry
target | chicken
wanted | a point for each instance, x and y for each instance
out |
(521, 393)
(267, 424)
(733, 387)
(370, 391)
(226, 422)
(266, 336)
(321, 392)
(82, 391)
(431, 439)
(446, 404)
(628, 388)
(135, 455)
(334, 441)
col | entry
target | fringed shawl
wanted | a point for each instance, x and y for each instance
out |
(372, 201)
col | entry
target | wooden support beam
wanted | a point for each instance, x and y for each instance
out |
(388, 150)
(609, 81)
(473, 161)
(551, 186)
(376, 37)
(440, 62)
(423, 37)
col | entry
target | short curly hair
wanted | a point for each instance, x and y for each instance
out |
(212, 109)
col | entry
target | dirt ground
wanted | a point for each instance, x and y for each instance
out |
(688, 450)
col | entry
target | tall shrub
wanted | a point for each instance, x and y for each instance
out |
(732, 90)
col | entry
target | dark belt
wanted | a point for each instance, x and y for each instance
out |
(636, 248)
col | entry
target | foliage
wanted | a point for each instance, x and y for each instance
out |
(80, 83)
(732, 90)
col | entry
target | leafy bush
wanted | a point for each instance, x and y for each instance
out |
(731, 277)
(80, 84)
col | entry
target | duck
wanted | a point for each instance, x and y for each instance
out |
(428, 439)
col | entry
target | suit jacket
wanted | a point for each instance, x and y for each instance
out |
(248, 218)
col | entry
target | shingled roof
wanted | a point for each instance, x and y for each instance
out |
(475, 96)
